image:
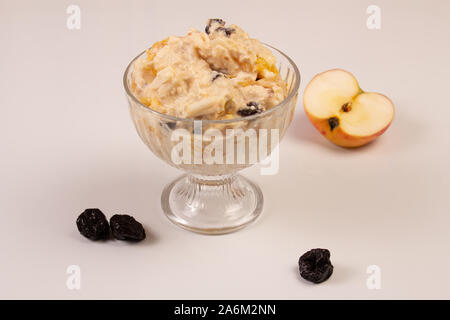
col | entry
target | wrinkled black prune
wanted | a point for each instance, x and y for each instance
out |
(227, 31)
(315, 265)
(125, 227)
(210, 21)
(93, 225)
(251, 109)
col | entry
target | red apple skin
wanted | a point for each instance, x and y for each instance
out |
(341, 138)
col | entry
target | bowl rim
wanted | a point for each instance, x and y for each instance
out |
(208, 121)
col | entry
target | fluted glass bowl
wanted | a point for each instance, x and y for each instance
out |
(211, 197)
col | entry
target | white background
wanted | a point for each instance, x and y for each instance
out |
(67, 143)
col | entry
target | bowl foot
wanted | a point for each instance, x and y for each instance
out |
(212, 205)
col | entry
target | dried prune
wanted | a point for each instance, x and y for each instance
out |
(211, 21)
(227, 31)
(315, 265)
(251, 109)
(125, 227)
(93, 225)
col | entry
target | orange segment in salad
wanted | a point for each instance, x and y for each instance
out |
(150, 101)
(262, 65)
(151, 53)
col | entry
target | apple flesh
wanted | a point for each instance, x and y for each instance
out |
(342, 112)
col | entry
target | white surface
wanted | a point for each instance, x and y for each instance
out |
(68, 144)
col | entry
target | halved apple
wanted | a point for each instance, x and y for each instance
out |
(342, 112)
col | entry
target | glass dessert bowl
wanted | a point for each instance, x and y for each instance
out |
(211, 197)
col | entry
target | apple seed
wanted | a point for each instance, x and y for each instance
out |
(346, 107)
(333, 122)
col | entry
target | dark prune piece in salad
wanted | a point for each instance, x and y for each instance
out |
(211, 21)
(251, 109)
(227, 31)
(215, 75)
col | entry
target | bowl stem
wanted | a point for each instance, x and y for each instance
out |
(212, 204)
